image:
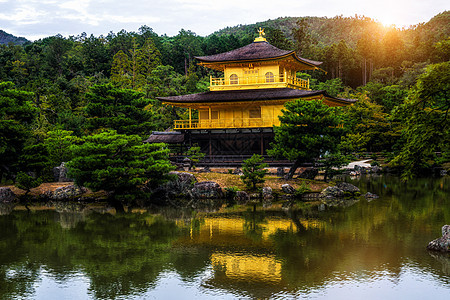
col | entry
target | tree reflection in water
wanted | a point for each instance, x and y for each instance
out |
(262, 254)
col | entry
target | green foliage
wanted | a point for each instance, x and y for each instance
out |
(230, 193)
(119, 109)
(302, 189)
(34, 158)
(332, 162)
(27, 182)
(308, 130)
(427, 127)
(368, 127)
(132, 70)
(118, 164)
(254, 171)
(58, 144)
(16, 117)
(195, 155)
(389, 96)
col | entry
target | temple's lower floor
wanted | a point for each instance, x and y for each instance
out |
(231, 141)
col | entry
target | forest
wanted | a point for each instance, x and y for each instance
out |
(59, 92)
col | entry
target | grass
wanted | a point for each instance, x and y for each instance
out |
(230, 180)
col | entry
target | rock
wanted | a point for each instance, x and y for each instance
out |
(60, 173)
(238, 171)
(443, 172)
(267, 193)
(443, 243)
(6, 195)
(171, 191)
(354, 173)
(332, 192)
(241, 197)
(376, 169)
(207, 189)
(348, 188)
(65, 192)
(205, 170)
(309, 173)
(184, 177)
(280, 172)
(287, 188)
(178, 166)
(370, 196)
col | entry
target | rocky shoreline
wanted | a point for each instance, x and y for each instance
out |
(187, 191)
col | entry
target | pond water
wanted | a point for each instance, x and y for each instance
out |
(359, 250)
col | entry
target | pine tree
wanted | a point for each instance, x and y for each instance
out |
(119, 164)
(254, 172)
(121, 70)
(308, 130)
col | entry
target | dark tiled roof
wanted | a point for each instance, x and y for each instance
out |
(253, 51)
(165, 137)
(248, 95)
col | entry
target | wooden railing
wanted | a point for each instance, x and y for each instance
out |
(259, 80)
(223, 123)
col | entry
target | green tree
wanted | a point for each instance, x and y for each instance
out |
(58, 144)
(121, 74)
(368, 127)
(16, 116)
(302, 37)
(195, 155)
(308, 130)
(426, 118)
(35, 159)
(119, 109)
(27, 182)
(254, 171)
(118, 164)
(331, 163)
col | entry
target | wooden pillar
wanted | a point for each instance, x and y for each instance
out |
(262, 142)
(210, 146)
(209, 111)
(190, 118)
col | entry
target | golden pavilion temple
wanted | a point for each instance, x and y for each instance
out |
(236, 116)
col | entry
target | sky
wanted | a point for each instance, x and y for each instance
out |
(36, 19)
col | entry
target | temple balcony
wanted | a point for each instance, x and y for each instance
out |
(224, 123)
(257, 82)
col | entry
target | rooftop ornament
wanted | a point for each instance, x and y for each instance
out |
(261, 37)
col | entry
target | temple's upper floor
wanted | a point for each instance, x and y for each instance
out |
(258, 65)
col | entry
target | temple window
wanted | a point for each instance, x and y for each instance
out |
(234, 79)
(204, 114)
(270, 77)
(254, 112)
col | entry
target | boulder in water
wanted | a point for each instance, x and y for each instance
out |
(207, 189)
(287, 188)
(443, 243)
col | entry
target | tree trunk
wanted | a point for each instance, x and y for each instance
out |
(292, 170)
(365, 72)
